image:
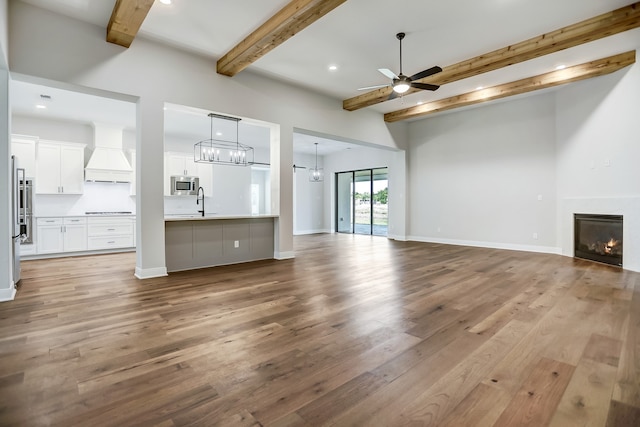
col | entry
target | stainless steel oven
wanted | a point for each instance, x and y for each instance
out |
(26, 208)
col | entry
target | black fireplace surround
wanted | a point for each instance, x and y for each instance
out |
(598, 238)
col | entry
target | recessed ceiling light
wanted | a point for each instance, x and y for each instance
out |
(333, 67)
(419, 103)
(480, 88)
(41, 107)
(165, 1)
(218, 133)
(561, 67)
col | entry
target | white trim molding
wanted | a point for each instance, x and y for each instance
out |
(491, 245)
(305, 232)
(8, 294)
(284, 255)
(149, 273)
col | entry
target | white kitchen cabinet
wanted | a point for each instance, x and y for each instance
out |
(110, 232)
(56, 235)
(59, 168)
(49, 235)
(183, 164)
(24, 148)
(75, 234)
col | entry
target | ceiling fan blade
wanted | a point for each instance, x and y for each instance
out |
(372, 87)
(422, 74)
(388, 73)
(424, 86)
(393, 95)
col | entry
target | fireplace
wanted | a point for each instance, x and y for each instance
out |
(598, 238)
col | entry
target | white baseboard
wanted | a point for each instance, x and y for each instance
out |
(8, 294)
(75, 254)
(149, 273)
(397, 237)
(305, 232)
(284, 255)
(492, 245)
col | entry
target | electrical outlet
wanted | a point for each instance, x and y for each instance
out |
(236, 244)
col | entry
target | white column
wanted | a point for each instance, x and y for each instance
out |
(282, 195)
(150, 257)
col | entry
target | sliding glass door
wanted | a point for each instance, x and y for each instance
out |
(361, 205)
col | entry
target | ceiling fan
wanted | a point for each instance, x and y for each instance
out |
(401, 83)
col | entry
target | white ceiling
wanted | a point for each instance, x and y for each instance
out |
(359, 37)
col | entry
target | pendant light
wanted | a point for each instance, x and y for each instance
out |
(223, 152)
(316, 174)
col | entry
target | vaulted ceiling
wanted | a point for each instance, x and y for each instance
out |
(506, 47)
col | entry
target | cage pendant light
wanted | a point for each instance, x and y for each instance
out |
(316, 174)
(223, 152)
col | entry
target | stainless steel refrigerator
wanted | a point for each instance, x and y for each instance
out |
(19, 217)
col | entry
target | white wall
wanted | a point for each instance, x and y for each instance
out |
(369, 158)
(599, 154)
(52, 129)
(7, 290)
(308, 200)
(6, 276)
(4, 34)
(77, 53)
(476, 175)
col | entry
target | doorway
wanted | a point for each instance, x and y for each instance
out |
(361, 202)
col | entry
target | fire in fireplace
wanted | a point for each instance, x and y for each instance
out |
(598, 238)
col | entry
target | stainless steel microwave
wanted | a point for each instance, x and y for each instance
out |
(184, 185)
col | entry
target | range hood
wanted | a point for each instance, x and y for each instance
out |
(108, 162)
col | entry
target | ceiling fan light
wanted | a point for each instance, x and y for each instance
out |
(401, 87)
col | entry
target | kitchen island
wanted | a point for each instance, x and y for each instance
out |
(194, 241)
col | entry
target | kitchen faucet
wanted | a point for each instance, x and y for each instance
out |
(198, 199)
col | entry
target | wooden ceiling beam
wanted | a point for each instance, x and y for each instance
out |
(126, 19)
(579, 72)
(607, 24)
(290, 20)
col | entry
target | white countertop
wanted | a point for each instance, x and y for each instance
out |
(86, 216)
(199, 217)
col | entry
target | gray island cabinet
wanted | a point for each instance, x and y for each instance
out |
(197, 242)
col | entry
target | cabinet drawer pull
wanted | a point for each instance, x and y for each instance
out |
(49, 220)
(111, 229)
(111, 242)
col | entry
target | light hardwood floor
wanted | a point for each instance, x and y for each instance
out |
(355, 330)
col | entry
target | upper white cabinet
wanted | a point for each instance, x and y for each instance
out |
(59, 168)
(183, 164)
(24, 148)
